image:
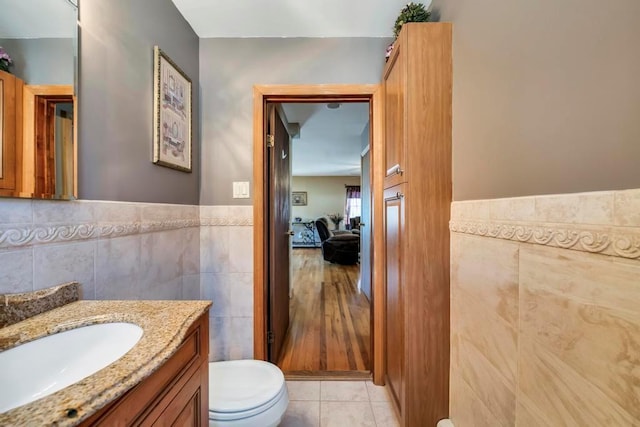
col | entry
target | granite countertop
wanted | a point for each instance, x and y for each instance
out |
(164, 323)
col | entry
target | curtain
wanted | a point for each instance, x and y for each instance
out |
(353, 204)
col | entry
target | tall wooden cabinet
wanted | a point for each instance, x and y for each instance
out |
(10, 133)
(417, 200)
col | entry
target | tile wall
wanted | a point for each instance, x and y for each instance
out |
(545, 318)
(226, 277)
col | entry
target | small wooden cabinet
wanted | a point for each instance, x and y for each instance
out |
(11, 88)
(177, 394)
(417, 201)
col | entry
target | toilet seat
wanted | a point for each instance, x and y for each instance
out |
(244, 390)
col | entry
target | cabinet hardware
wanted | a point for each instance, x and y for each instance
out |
(397, 170)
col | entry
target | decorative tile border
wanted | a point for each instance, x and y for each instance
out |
(615, 241)
(15, 236)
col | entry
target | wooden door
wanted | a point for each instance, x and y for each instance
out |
(393, 227)
(395, 118)
(279, 223)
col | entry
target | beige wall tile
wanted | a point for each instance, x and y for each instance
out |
(57, 264)
(48, 212)
(467, 409)
(515, 209)
(16, 211)
(486, 382)
(562, 395)
(563, 208)
(487, 269)
(240, 249)
(214, 249)
(488, 333)
(627, 208)
(596, 208)
(472, 209)
(583, 309)
(117, 212)
(16, 271)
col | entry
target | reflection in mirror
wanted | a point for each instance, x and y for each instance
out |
(38, 105)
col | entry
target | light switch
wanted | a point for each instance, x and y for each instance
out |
(241, 190)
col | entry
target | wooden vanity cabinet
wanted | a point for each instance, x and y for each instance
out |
(177, 394)
(417, 202)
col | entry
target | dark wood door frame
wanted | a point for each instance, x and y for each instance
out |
(318, 93)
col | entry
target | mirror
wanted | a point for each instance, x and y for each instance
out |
(38, 105)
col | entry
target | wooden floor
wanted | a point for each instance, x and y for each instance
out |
(330, 321)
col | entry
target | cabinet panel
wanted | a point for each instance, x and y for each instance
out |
(394, 119)
(394, 227)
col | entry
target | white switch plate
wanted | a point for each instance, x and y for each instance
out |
(241, 190)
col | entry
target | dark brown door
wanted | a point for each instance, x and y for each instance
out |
(279, 222)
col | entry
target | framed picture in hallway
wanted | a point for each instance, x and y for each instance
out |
(171, 113)
(298, 198)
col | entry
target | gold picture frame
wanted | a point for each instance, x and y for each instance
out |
(298, 198)
(171, 114)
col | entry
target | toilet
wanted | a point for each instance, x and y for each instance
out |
(246, 393)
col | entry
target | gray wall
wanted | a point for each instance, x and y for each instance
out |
(41, 61)
(116, 100)
(546, 96)
(228, 70)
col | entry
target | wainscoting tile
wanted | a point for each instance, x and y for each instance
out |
(216, 287)
(241, 338)
(596, 208)
(112, 212)
(16, 271)
(214, 249)
(583, 309)
(209, 212)
(341, 391)
(627, 208)
(162, 212)
(515, 209)
(118, 268)
(384, 414)
(467, 409)
(241, 294)
(168, 290)
(377, 393)
(303, 390)
(487, 383)
(488, 333)
(56, 264)
(564, 208)
(76, 212)
(240, 249)
(562, 395)
(16, 211)
(487, 269)
(219, 338)
(472, 209)
(302, 414)
(161, 256)
(341, 414)
(191, 287)
(191, 252)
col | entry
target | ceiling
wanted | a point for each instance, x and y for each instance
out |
(330, 140)
(292, 18)
(32, 19)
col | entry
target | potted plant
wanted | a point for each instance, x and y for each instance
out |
(5, 60)
(335, 219)
(412, 12)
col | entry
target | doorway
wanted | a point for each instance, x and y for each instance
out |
(264, 267)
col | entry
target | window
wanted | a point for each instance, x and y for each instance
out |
(353, 206)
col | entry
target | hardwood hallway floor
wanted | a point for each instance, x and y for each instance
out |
(329, 320)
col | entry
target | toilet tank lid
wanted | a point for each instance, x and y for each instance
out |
(241, 385)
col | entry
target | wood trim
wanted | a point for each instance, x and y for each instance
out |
(28, 148)
(317, 93)
(377, 232)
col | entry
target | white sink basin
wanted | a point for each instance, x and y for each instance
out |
(39, 368)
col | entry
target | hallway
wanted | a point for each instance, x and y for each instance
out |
(330, 319)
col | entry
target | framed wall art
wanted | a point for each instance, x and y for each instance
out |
(171, 113)
(298, 198)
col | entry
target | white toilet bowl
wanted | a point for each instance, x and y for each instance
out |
(246, 393)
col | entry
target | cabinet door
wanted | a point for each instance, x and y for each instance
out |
(394, 118)
(394, 230)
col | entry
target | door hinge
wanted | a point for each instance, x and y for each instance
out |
(270, 141)
(270, 337)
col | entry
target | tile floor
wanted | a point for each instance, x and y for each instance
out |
(338, 403)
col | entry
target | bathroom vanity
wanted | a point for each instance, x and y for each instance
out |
(162, 380)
